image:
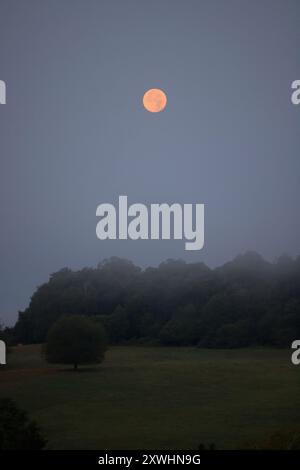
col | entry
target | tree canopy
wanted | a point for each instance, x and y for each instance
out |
(75, 340)
(247, 301)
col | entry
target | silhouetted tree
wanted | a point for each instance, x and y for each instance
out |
(75, 340)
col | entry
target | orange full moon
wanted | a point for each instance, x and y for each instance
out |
(155, 100)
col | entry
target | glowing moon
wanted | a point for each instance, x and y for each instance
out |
(155, 100)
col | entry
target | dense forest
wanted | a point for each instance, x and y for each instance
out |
(247, 301)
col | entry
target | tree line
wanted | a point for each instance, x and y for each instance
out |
(247, 301)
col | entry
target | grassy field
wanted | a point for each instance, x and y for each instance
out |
(162, 398)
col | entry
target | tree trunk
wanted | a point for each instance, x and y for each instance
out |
(75, 366)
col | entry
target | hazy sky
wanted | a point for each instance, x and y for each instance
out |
(74, 134)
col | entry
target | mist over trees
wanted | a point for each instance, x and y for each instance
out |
(247, 301)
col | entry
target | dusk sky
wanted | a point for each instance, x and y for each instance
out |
(74, 132)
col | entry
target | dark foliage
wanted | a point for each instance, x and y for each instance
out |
(7, 335)
(248, 301)
(17, 431)
(75, 340)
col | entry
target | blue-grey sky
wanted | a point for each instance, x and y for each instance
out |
(74, 133)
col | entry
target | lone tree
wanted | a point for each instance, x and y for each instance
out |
(75, 340)
(17, 430)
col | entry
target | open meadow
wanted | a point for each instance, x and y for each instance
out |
(157, 398)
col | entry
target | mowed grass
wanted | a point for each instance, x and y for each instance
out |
(157, 398)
